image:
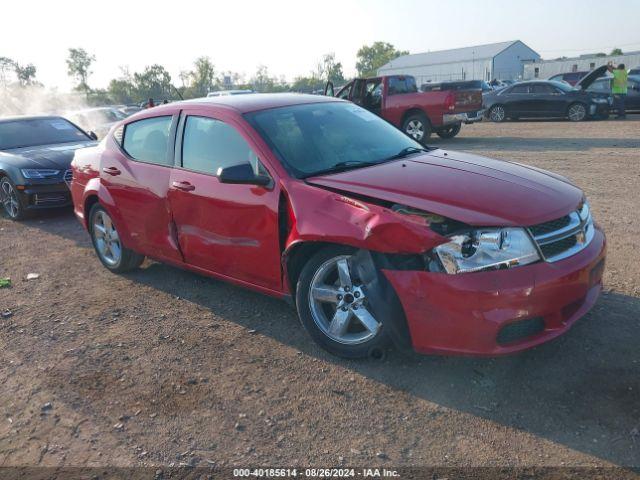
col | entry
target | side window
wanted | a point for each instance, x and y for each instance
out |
(397, 85)
(148, 140)
(541, 88)
(519, 89)
(344, 93)
(210, 144)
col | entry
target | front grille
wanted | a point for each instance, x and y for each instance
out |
(50, 198)
(520, 330)
(564, 236)
(551, 226)
(68, 176)
(552, 249)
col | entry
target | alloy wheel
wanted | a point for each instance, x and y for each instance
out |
(106, 239)
(9, 198)
(339, 304)
(577, 112)
(415, 129)
(497, 113)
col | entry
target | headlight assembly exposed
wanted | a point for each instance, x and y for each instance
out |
(39, 173)
(485, 249)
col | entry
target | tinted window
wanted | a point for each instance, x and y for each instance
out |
(315, 137)
(543, 89)
(209, 145)
(519, 89)
(398, 85)
(148, 140)
(38, 131)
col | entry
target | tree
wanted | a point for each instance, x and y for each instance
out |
(371, 58)
(616, 51)
(78, 66)
(332, 70)
(26, 74)
(7, 65)
(154, 82)
(203, 76)
(122, 90)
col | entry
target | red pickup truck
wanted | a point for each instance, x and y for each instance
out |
(396, 99)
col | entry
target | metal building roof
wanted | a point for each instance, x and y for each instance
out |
(478, 52)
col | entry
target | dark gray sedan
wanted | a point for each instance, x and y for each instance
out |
(35, 158)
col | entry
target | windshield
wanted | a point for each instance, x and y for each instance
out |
(321, 137)
(38, 131)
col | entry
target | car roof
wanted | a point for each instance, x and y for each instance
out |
(30, 117)
(258, 101)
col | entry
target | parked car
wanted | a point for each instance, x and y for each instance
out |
(219, 93)
(98, 120)
(35, 158)
(572, 78)
(632, 100)
(373, 237)
(396, 99)
(547, 99)
(634, 71)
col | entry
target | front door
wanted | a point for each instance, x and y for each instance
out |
(137, 179)
(229, 229)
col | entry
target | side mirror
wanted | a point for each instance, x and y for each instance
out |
(242, 174)
(92, 135)
(328, 89)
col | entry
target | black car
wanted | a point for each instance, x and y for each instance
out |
(35, 158)
(547, 99)
(632, 101)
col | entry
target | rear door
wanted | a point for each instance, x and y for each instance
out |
(547, 101)
(137, 178)
(228, 229)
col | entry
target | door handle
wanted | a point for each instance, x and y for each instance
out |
(184, 186)
(111, 171)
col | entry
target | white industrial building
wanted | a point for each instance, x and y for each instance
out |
(504, 60)
(584, 63)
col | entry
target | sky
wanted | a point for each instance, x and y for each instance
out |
(290, 37)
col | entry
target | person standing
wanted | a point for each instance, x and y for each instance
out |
(619, 88)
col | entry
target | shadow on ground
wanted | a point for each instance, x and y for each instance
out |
(581, 390)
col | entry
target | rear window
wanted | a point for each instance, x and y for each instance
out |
(38, 131)
(399, 85)
(148, 140)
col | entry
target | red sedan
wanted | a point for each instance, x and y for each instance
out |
(375, 238)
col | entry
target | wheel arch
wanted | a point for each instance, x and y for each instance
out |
(413, 111)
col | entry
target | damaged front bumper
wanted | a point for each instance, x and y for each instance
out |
(499, 312)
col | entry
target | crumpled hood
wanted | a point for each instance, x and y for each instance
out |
(469, 188)
(57, 156)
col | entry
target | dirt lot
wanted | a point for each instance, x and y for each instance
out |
(164, 367)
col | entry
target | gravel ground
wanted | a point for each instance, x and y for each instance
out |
(163, 367)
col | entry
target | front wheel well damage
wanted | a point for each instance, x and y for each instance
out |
(369, 265)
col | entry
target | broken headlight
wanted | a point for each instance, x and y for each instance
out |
(487, 249)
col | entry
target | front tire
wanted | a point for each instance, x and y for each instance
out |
(418, 127)
(10, 200)
(450, 131)
(106, 241)
(497, 113)
(333, 307)
(577, 112)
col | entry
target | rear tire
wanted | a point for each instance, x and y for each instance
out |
(106, 241)
(10, 200)
(577, 112)
(449, 132)
(333, 307)
(497, 113)
(418, 127)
